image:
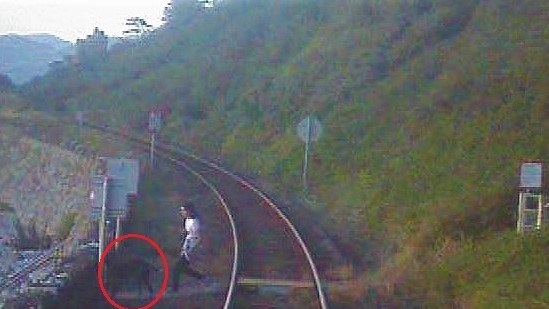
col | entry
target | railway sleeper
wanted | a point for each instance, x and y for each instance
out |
(273, 286)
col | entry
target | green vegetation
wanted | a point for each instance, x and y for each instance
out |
(5, 83)
(65, 226)
(428, 108)
(506, 271)
(30, 237)
(5, 207)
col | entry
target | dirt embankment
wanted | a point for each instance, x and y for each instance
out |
(42, 185)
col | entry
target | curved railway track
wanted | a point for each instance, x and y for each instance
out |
(270, 253)
(272, 266)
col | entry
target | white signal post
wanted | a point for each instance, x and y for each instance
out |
(308, 130)
(530, 209)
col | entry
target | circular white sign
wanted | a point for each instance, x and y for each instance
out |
(309, 129)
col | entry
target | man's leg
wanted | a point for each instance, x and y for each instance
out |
(177, 271)
(186, 265)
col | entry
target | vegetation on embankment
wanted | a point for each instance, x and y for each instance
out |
(44, 185)
(428, 109)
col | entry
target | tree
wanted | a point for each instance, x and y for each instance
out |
(206, 3)
(5, 206)
(65, 226)
(138, 27)
(5, 82)
(168, 12)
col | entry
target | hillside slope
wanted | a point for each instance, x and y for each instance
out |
(428, 109)
(44, 185)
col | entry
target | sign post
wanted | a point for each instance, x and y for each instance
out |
(530, 208)
(80, 120)
(308, 130)
(103, 217)
(123, 181)
(109, 194)
(154, 127)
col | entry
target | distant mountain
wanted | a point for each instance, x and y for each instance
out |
(23, 57)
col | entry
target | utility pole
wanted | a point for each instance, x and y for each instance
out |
(155, 118)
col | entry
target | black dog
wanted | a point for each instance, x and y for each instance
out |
(123, 271)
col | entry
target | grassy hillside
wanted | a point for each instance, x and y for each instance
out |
(428, 109)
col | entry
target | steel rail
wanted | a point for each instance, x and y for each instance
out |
(166, 156)
(179, 151)
(32, 266)
(232, 283)
(296, 234)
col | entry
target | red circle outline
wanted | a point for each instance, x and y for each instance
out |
(164, 263)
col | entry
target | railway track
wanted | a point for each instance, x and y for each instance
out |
(272, 266)
(16, 278)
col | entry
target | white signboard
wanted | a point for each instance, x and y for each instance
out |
(309, 129)
(96, 197)
(117, 198)
(155, 119)
(530, 175)
(125, 169)
(80, 117)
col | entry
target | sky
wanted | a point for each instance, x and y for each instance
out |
(74, 19)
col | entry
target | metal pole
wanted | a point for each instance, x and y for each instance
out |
(117, 233)
(152, 149)
(540, 212)
(102, 219)
(306, 161)
(80, 119)
(520, 213)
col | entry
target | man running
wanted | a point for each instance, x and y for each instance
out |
(190, 235)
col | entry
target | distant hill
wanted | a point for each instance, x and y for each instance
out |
(24, 57)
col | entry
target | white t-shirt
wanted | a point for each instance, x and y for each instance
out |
(192, 228)
(192, 236)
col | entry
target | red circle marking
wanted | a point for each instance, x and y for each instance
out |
(164, 263)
